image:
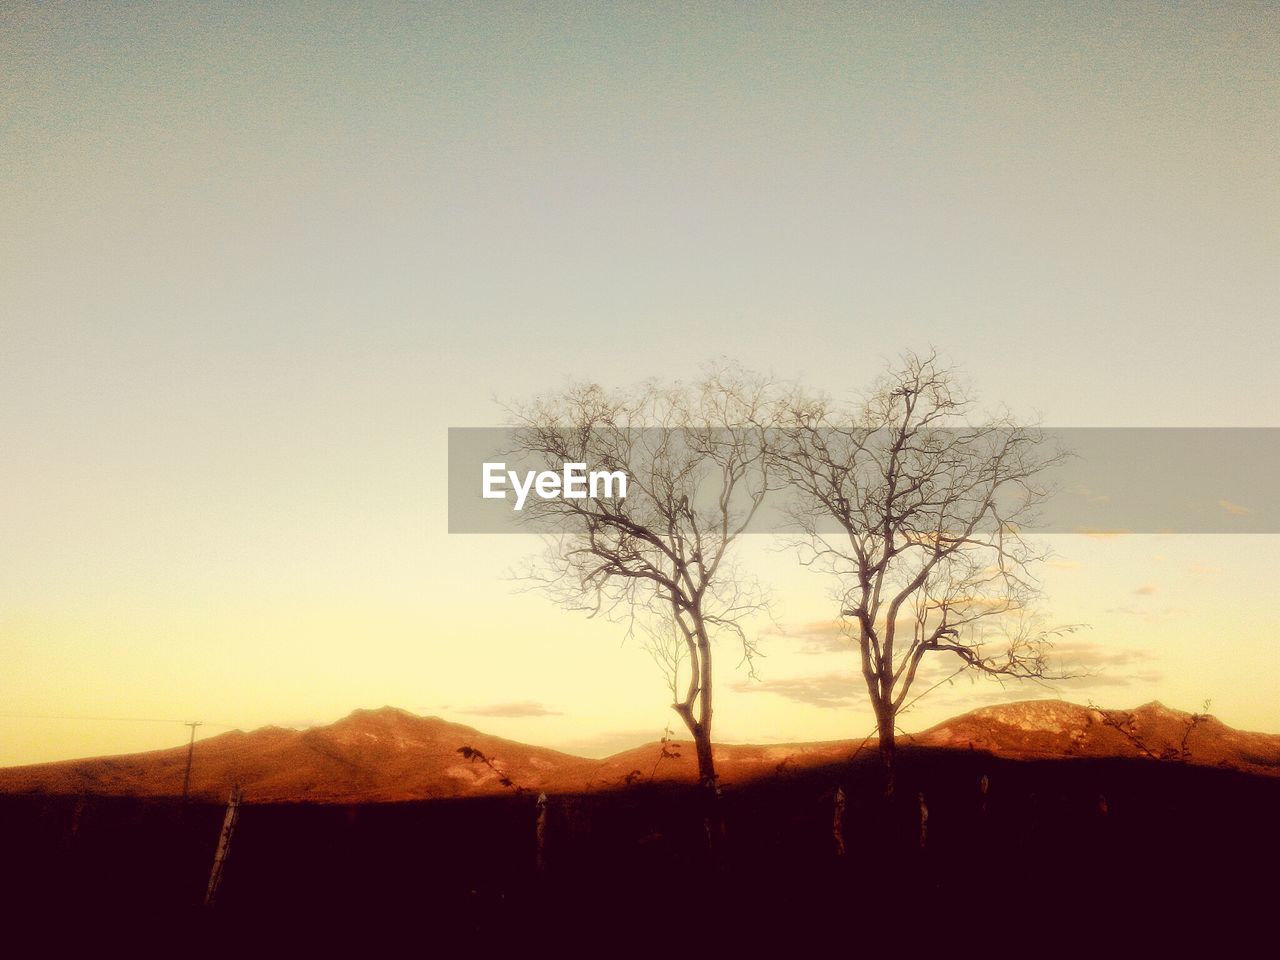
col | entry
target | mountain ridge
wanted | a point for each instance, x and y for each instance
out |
(390, 754)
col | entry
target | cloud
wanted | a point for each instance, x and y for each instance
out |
(1098, 533)
(1098, 666)
(829, 690)
(1060, 564)
(836, 636)
(834, 691)
(1150, 616)
(1108, 680)
(816, 636)
(1234, 509)
(1101, 666)
(1147, 590)
(963, 697)
(1091, 497)
(1090, 653)
(518, 708)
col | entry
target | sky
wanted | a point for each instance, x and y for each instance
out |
(256, 259)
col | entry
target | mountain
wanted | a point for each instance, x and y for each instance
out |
(371, 755)
(390, 754)
(1035, 729)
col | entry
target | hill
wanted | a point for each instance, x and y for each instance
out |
(1045, 729)
(370, 755)
(393, 755)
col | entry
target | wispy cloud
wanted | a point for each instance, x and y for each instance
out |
(1096, 665)
(814, 637)
(1099, 665)
(836, 636)
(1091, 497)
(1150, 616)
(838, 690)
(518, 708)
(1234, 509)
(1090, 653)
(1147, 590)
(829, 690)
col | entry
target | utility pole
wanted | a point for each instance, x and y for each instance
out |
(224, 845)
(191, 752)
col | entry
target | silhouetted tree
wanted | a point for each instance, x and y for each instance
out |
(1126, 724)
(695, 458)
(918, 515)
(473, 755)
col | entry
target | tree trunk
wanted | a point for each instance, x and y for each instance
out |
(709, 795)
(888, 752)
(700, 730)
(707, 781)
(700, 733)
(706, 762)
(706, 759)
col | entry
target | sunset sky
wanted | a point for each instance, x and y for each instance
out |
(255, 261)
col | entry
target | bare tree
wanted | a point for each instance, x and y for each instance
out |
(1126, 724)
(695, 458)
(919, 515)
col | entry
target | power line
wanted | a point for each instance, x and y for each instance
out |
(55, 716)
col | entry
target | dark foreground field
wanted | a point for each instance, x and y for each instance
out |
(1062, 840)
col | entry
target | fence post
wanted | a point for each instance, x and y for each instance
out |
(837, 823)
(924, 820)
(67, 843)
(541, 832)
(224, 845)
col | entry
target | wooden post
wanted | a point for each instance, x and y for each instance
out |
(77, 812)
(542, 833)
(224, 845)
(924, 820)
(713, 824)
(837, 823)
(73, 828)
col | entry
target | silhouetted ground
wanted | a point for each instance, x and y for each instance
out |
(1176, 844)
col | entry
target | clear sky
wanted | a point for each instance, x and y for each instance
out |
(255, 259)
